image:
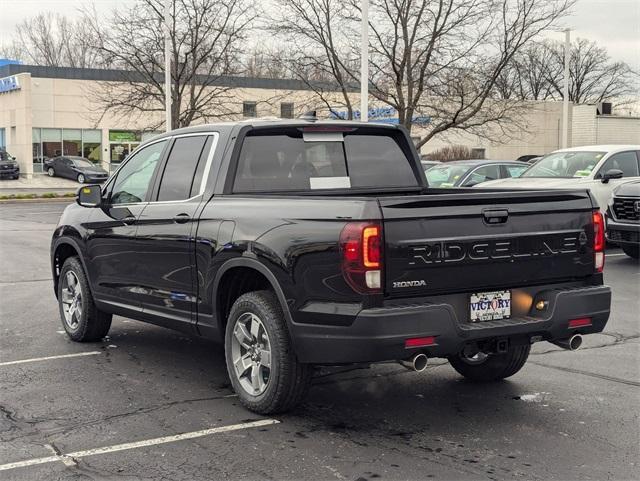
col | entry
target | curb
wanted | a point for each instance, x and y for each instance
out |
(68, 200)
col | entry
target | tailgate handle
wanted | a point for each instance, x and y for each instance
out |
(496, 216)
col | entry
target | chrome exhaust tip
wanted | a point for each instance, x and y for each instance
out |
(572, 343)
(417, 362)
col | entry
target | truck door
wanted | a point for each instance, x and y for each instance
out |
(166, 262)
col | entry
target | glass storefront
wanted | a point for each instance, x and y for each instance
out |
(123, 142)
(2, 141)
(48, 143)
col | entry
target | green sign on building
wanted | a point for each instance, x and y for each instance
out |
(124, 136)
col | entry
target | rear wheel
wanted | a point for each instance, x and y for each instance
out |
(491, 367)
(631, 251)
(262, 366)
(81, 178)
(81, 319)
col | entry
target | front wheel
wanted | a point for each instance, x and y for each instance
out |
(264, 370)
(51, 172)
(491, 367)
(81, 319)
(631, 251)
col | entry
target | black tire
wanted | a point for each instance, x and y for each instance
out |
(51, 172)
(92, 324)
(631, 251)
(495, 367)
(289, 380)
(81, 178)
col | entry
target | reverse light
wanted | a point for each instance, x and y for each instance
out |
(598, 240)
(361, 248)
(580, 322)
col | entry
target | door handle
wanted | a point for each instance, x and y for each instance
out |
(130, 219)
(182, 218)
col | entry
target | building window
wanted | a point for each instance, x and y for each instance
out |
(478, 153)
(51, 143)
(286, 110)
(249, 109)
(122, 143)
(2, 141)
(48, 143)
(72, 142)
(92, 145)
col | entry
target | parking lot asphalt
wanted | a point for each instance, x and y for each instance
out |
(149, 403)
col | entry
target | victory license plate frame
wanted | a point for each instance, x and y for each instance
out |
(490, 306)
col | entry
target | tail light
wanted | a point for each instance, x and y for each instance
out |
(598, 240)
(361, 249)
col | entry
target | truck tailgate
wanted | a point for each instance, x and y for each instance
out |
(477, 241)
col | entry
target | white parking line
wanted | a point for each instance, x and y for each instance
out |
(48, 358)
(138, 444)
(615, 255)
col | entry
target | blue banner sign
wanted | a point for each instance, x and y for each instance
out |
(386, 115)
(8, 84)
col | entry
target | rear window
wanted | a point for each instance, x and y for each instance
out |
(293, 161)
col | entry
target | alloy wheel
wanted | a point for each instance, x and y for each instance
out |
(71, 300)
(251, 354)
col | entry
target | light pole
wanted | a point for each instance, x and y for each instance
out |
(167, 64)
(565, 90)
(364, 63)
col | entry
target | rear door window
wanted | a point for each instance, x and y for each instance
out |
(291, 161)
(178, 177)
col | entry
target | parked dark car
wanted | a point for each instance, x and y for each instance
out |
(300, 243)
(9, 168)
(76, 168)
(623, 218)
(467, 173)
(530, 159)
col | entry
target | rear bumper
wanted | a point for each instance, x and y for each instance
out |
(379, 334)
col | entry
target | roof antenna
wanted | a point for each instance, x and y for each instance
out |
(309, 115)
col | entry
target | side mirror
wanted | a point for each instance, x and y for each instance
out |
(90, 196)
(612, 174)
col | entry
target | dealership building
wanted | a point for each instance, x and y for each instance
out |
(51, 111)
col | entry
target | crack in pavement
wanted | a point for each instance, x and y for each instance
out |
(11, 415)
(619, 339)
(587, 373)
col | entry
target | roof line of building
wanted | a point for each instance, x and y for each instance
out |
(110, 75)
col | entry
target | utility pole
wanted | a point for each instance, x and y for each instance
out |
(167, 64)
(364, 63)
(565, 89)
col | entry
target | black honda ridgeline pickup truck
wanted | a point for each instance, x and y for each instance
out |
(303, 243)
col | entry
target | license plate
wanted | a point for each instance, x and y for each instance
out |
(490, 306)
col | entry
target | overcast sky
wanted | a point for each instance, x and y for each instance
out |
(614, 24)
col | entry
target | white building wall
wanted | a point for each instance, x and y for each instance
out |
(584, 125)
(618, 130)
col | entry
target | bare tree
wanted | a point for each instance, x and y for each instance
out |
(206, 39)
(593, 76)
(537, 73)
(437, 62)
(54, 40)
(321, 35)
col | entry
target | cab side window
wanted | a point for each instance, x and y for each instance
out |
(183, 169)
(627, 162)
(132, 183)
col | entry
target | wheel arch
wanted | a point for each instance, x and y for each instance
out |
(224, 296)
(62, 249)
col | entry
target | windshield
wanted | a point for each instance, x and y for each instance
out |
(565, 164)
(82, 163)
(4, 155)
(445, 175)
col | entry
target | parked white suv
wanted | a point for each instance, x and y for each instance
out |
(600, 168)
